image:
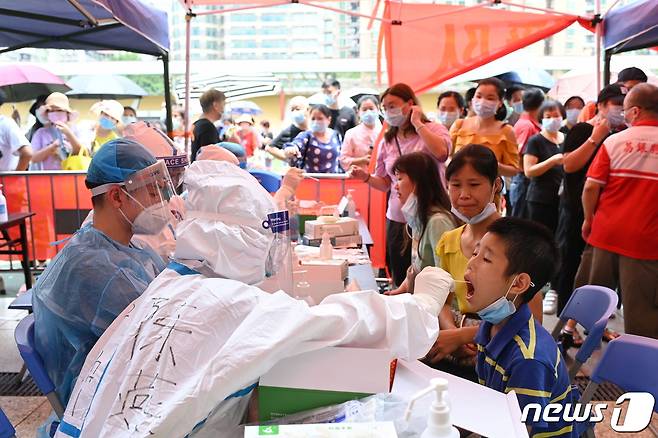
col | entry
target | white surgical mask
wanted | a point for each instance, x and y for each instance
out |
(484, 108)
(518, 107)
(394, 116)
(298, 117)
(572, 116)
(552, 124)
(447, 118)
(151, 220)
(500, 309)
(410, 213)
(615, 116)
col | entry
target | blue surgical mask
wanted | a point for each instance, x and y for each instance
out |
(484, 108)
(615, 116)
(329, 100)
(127, 120)
(517, 107)
(318, 126)
(394, 116)
(410, 213)
(572, 116)
(298, 117)
(106, 123)
(552, 124)
(447, 118)
(500, 309)
(369, 117)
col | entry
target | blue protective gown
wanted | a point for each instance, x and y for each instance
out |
(78, 296)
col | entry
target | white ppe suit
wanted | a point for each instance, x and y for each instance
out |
(183, 358)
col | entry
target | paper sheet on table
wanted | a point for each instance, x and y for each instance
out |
(474, 407)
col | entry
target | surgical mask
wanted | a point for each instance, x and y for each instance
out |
(484, 108)
(106, 123)
(329, 100)
(151, 220)
(447, 118)
(176, 124)
(298, 117)
(369, 117)
(394, 116)
(615, 116)
(488, 211)
(41, 116)
(410, 213)
(318, 126)
(572, 116)
(58, 116)
(517, 107)
(127, 120)
(500, 309)
(551, 125)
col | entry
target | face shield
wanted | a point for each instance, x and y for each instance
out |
(151, 188)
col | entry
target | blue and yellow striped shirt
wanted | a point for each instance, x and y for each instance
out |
(523, 357)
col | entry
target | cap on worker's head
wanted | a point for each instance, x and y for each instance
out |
(157, 143)
(58, 102)
(632, 74)
(223, 226)
(215, 152)
(614, 93)
(245, 118)
(110, 107)
(116, 161)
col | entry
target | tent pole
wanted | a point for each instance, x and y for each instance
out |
(168, 124)
(188, 25)
(606, 67)
(599, 37)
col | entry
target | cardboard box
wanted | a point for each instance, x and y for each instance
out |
(320, 278)
(344, 226)
(354, 430)
(325, 377)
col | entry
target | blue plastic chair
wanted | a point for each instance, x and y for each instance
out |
(270, 181)
(630, 363)
(591, 306)
(24, 336)
(6, 429)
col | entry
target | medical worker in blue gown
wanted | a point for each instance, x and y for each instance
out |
(99, 272)
(183, 358)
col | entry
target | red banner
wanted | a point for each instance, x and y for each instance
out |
(426, 44)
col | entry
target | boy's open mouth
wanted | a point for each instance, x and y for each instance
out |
(470, 290)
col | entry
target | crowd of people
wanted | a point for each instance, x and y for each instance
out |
(506, 197)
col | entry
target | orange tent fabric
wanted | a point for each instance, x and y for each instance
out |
(427, 44)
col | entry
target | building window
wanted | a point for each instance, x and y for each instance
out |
(243, 44)
(274, 31)
(242, 31)
(243, 17)
(272, 17)
(196, 44)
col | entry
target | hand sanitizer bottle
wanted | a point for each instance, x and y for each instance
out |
(438, 422)
(326, 250)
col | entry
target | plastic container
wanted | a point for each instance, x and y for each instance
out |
(326, 249)
(351, 205)
(438, 421)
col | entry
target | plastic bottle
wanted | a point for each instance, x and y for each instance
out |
(351, 205)
(326, 249)
(438, 421)
(3, 207)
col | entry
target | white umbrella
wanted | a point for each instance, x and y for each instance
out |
(582, 82)
(235, 87)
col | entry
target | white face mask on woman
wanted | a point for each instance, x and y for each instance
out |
(484, 108)
(487, 211)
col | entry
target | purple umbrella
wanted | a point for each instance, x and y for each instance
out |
(21, 82)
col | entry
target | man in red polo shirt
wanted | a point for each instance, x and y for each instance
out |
(620, 201)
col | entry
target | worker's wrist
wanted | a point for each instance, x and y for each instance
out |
(367, 178)
(419, 127)
(592, 141)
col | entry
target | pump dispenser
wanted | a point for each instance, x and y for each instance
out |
(438, 422)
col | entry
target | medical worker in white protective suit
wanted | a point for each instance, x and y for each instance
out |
(184, 358)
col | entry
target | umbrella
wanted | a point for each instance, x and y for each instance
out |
(582, 82)
(357, 93)
(234, 87)
(528, 77)
(104, 87)
(244, 107)
(20, 82)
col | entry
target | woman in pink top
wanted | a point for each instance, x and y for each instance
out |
(360, 140)
(409, 130)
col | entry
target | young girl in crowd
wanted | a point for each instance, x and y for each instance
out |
(450, 107)
(318, 148)
(473, 182)
(426, 208)
(58, 138)
(359, 141)
(542, 164)
(409, 130)
(488, 128)
(109, 114)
